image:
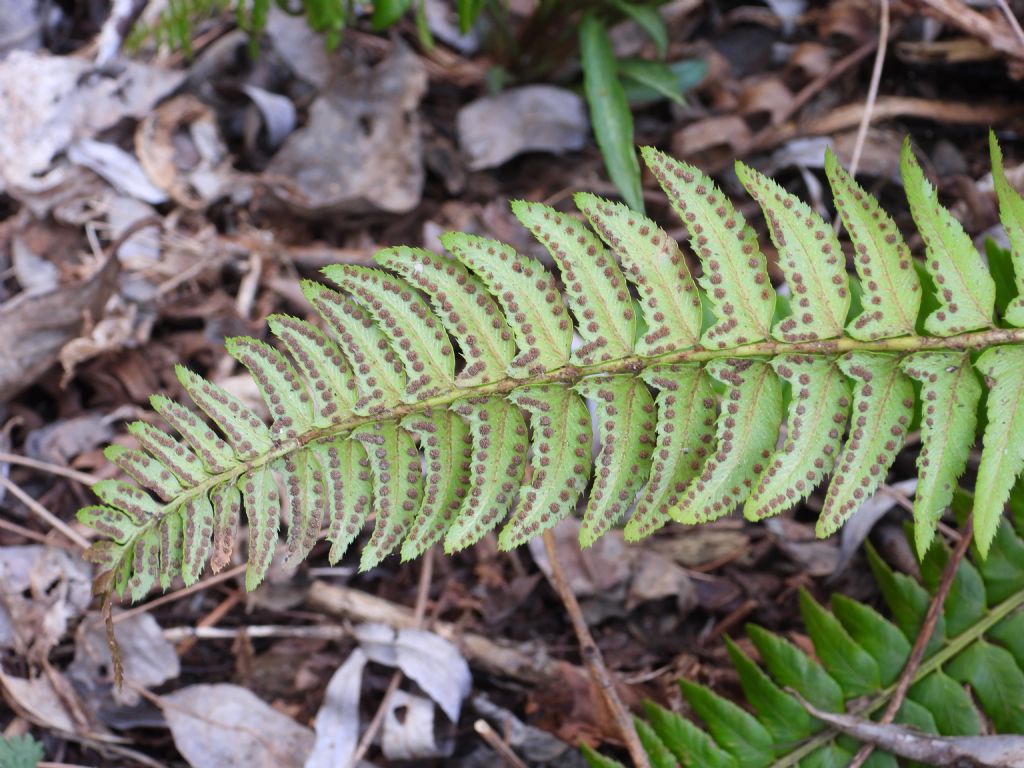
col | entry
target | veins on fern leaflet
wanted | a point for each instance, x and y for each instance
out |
(440, 396)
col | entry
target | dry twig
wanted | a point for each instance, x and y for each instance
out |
(876, 77)
(591, 654)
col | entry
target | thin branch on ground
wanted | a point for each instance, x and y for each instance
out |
(45, 466)
(591, 654)
(924, 636)
(1012, 19)
(422, 592)
(42, 512)
(495, 742)
(180, 593)
(876, 77)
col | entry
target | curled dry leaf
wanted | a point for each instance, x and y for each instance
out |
(534, 118)
(37, 326)
(147, 657)
(41, 590)
(361, 148)
(226, 726)
(49, 101)
(180, 148)
(433, 663)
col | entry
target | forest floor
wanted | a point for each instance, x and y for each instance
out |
(234, 176)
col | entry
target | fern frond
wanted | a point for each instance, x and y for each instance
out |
(973, 671)
(442, 396)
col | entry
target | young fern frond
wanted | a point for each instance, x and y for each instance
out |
(971, 679)
(416, 400)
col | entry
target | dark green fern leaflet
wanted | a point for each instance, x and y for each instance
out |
(972, 675)
(439, 397)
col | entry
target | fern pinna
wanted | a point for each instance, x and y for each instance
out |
(443, 394)
(971, 681)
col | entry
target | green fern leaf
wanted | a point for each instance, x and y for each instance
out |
(448, 450)
(684, 436)
(818, 411)
(950, 392)
(302, 478)
(414, 331)
(883, 404)
(348, 489)
(380, 378)
(263, 510)
(244, 431)
(594, 286)
(746, 434)
(212, 454)
(779, 712)
(1011, 213)
(972, 677)
(1003, 459)
(397, 486)
(875, 634)
(197, 543)
(625, 422)
(144, 470)
(407, 403)
(810, 257)
(793, 668)
(688, 743)
(847, 663)
(735, 275)
(657, 753)
(560, 466)
(966, 291)
(226, 500)
(465, 308)
(996, 680)
(527, 296)
(331, 386)
(892, 292)
(279, 385)
(499, 459)
(654, 263)
(736, 731)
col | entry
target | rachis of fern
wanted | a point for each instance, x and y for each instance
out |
(444, 395)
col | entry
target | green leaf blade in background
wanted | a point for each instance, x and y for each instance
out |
(610, 115)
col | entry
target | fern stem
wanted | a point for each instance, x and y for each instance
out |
(632, 364)
(931, 664)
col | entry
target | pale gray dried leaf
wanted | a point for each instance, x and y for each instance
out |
(429, 660)
(656, 577)
(38, 701)
(361, 147)
(226, 726)
(62, 439)
(534, 118)
(443, 22)
(117, 167)
(337, 721)
(1002, 751)
(49, 101)
(42, 589)
(36, 326)
(409, 730)
(277, 111)
(301, 48)
(147, 657)
(21, 26)
(35, 273)
(144, 244)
